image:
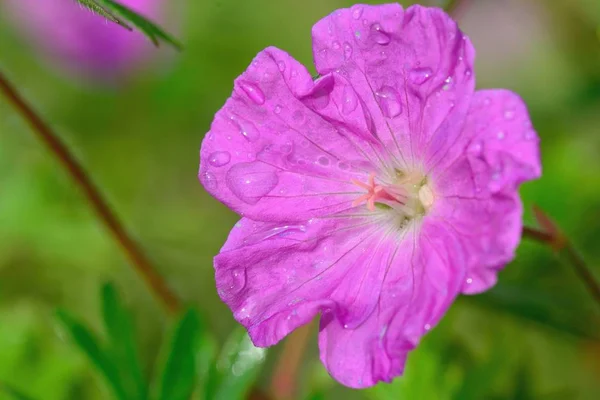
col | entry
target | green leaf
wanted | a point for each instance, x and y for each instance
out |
(86, 341)
(238, 367)
(96, 8)
(542, 308)
(121, 346)
(178, 375)
(13, 392)
(150, 29)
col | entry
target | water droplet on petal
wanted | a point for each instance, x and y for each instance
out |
(286, 148)
(448, 83)
(378, 35)
(357, 12)
(500, 135)
(281, 65)
(219, 158)
(210, 181)
(389, 101)
(509, 114)
(277, 109)
(419, 76)
(253, 92)
(324, 161)
(487, 101)
(475, 148)
(427, 327)
(347, 50)
(251, 181)
(349, 101)
(469, 281)
(529, 135)
(343, 165)
(246, 128)
(335, 45)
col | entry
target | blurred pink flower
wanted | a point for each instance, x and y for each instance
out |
(82, 41)
(373, 195)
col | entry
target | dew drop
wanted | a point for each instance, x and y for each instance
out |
(251, 181)
(210, 181)
(281, 65)
(298, 116)
(469, 281)
(219, 158)
(389, 101)
(350, 101)
(286, 148)
(475, 148)
(529, 135)
(468, 72)
(253, 92)
(509, 114)
(448, 83)
(427, 327)
(347, 50)
(246, 128)
(378, 35)
(343, 165)
(277, 109)
(324, 161)
(500, 135)
(487, 101)
(335, 45)
(419, 76)
(357, 12)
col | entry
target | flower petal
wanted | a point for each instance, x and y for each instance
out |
(412, 69)
(269, 156)
(276, 277)
(480, 199)
(425, 277)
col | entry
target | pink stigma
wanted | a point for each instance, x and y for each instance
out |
(377, 193)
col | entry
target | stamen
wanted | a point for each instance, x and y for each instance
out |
(409, 195)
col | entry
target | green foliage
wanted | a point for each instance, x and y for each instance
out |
(96, 8)
(89, 344)
(178, 375)
(111, 10)
(237, 367)
(189, 365)
(13, 392)
(121, 346)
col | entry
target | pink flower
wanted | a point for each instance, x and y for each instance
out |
(373, 195)
(80, 40)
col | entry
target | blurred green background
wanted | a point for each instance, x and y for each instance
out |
(535, 336)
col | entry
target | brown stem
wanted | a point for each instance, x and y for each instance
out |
(552, 236)
(140, 262)
(285, 377)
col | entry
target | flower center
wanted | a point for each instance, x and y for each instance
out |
(407, 193)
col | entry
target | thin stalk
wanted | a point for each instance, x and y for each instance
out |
(94, 197)
(552, 236)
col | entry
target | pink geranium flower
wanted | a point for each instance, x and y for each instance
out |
(80, 40)
(373, 195)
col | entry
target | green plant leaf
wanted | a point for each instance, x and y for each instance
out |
(237, 367)
(13, 392)
(96, 8)
(178, 375)
(121, 345)
(86, 341)
(150, 29)
(544, 309)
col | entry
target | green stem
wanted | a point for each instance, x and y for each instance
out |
(136, 256)
(566, 252)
